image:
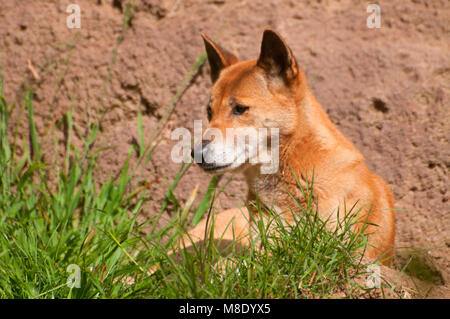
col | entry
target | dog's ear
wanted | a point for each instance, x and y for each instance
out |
(276, 59)
(218, 57)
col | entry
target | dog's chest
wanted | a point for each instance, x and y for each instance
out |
(275, 193)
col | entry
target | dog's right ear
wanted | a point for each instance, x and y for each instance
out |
(218, 57)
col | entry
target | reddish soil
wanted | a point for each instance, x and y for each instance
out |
(386, 88)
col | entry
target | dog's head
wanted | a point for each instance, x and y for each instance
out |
(257, 96)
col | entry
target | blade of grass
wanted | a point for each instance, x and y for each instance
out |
(203, 207)
(35, 150)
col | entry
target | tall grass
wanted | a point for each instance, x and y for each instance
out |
(49, 229)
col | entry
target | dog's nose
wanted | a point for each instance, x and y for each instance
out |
(199, 149)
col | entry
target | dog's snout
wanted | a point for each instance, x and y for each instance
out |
(199, 149)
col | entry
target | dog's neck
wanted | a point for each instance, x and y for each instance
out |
(304, 153)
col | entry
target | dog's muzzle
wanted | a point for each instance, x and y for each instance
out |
(198, 153)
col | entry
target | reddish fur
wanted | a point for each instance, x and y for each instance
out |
(309, 140)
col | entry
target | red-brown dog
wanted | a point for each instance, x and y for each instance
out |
(271, 92)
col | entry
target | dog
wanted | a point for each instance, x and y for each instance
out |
(272, 92)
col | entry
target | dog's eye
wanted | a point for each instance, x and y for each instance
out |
(209, 112)
(239, 109)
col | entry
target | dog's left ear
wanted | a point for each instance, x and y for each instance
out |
(218, 57)
(276, 59)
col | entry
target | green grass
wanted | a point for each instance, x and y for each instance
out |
(45, 227)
